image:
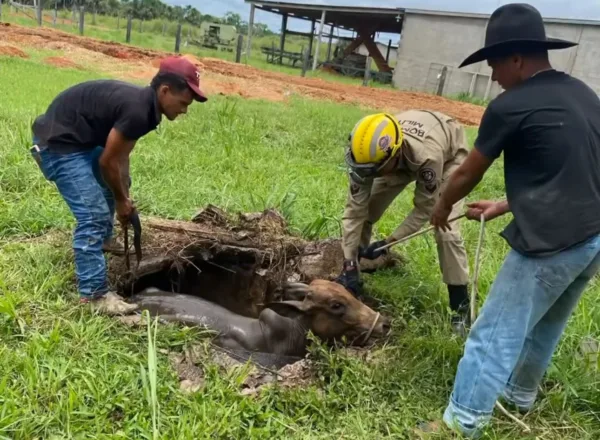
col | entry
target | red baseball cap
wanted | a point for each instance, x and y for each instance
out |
(182, 67)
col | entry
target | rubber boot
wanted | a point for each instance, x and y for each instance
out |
(460, 306)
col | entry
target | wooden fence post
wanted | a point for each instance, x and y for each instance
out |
(238, 52)
(440, 88)
(81, 19)
(178, 38)
(305, 61)
(40, 12)
(367, 72)
(128, 32)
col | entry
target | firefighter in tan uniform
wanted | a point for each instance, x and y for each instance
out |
(387, 153)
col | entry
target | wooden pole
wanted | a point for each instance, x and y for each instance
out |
(39, 12)
(305, 61)
(238, 52)
(250, 29)
(129, 24)
(367, 72)
(284, 19)
(329, 45)
(81, 18)
(316, 59)
(55, 17)
(178, 38)
(387, 55)
(440, 88)
(312, 37)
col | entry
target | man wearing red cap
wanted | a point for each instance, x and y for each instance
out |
(82, 143)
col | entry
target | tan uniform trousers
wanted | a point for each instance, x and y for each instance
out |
(452, 255)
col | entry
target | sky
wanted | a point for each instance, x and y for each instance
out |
(583, 9)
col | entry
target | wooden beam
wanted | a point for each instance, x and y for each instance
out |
(250, 28)
(284, 19)
(329, 45)
(312, 38)
(316, 59)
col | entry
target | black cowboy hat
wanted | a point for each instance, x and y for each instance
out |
(515, 26)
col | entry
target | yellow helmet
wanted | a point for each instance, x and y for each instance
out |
(375, 138)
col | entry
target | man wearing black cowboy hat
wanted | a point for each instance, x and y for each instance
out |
(547, 124)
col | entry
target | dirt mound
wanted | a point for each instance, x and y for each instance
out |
(228, 78)
(12, 51)
(238, 261)
(61, 62)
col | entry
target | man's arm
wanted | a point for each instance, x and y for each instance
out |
(461, 183)
(114, 162)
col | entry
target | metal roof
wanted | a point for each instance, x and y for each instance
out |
(388, 20)
(487, 16)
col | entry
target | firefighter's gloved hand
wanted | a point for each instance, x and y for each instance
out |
(370, 254)
(350, 277)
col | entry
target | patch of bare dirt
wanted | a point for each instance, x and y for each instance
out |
(12, 51)
(228, 78)
(61, 62)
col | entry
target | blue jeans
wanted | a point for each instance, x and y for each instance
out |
(512, 341)
(79, 181)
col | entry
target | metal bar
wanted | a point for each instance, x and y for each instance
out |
(488, 88)
(250, 29)
(421, 232)
(321, 24)
(305, 61)
(442, 81)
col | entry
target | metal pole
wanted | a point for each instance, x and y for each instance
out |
(316, 59)
(178, 38)
(1, 10)
(39, 12)
(367, 72)
(240, 44)
(129, 24)
(250, 29)
(55, 13)
(81, 19)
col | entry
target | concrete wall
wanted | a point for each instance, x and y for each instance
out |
(430, 42)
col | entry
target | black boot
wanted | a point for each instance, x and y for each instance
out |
(460, 306)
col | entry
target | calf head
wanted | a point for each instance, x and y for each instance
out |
(331, 312)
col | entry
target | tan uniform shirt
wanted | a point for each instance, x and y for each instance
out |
(434, 146)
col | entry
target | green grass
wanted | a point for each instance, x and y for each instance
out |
(65, 373)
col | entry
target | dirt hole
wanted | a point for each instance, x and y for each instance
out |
(231, 280)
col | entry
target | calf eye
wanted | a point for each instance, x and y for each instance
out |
(337, 307)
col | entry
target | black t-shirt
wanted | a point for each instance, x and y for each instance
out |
(81, 117)
(549, 130)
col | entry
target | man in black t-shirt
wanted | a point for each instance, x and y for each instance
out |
(547, 124)
(82, 143)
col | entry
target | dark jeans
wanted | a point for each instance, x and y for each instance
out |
(79, 181)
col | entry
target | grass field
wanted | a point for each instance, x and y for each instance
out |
(65, 373)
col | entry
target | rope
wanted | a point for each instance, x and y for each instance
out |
(368, 335)
(474, 292)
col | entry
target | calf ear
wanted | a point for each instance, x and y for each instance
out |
(295, 291)
(288, 309)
